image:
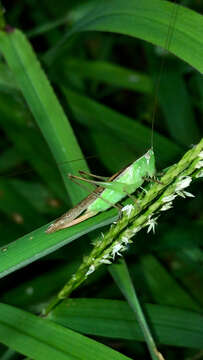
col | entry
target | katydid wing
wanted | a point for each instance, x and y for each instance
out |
(109, 193)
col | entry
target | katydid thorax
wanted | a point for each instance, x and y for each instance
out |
(108, 193)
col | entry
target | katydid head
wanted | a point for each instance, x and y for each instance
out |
(149, 156)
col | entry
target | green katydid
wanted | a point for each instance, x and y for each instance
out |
(120, 185)
(110, 192)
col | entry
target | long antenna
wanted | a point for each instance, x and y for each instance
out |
(170, 31)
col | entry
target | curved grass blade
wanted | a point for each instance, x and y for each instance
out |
(17, 207)
(126, 129)
(44, 105)
(115, 319)
(37, 244)
(163, 287)
(148, 20)
(122, 278)
(43, 339)
(71, 17)
(179, 115)
(109, 73)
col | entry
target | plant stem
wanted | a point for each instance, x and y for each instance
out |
(115, 240)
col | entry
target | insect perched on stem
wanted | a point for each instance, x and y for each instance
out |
(109, 193)
(122, 184)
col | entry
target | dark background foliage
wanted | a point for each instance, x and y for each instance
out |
(105, 106)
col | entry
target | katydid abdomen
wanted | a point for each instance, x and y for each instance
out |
(109, 193)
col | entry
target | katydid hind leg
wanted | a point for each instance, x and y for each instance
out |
(75, 221)
(152, 179)
(103, 178)
(66, 219)
(132, 197)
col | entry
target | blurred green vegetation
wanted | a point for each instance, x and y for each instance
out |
(108, 85)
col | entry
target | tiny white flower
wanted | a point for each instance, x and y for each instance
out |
(125, 240)
(105, 260)
(199, 165)
(200, 174)
(166, 206)
(91, 270)
(183, 183)
(118, 247)
(180, 193)
(185, 194)
(168, 198)
(151, 224)
(128, 209)
(188, 194)
(135, 230)
(201, 155)
(97, 242)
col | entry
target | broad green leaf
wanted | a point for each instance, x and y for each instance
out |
(163, 287)
(26, 295)
(123, 280)
(38, 195)
(115, 319)
(114, 146)
(7, 82)
(109, 73)
(73, 15)
(100, 117)
(121, 276)
(17, 124)
(2, 22)
(37, 244)
(183, 128)
(149, 20)
(43, 339)
(9, 159)
(44, 105)
(17, 207)
(198, 82)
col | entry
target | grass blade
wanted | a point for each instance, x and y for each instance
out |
(122, 278)
(125, 128)
(110, 73)
(42, 339)
(115, 319)
(44, 105)
(37, 244)
(142, 20)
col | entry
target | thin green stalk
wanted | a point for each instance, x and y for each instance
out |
(123, 280)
